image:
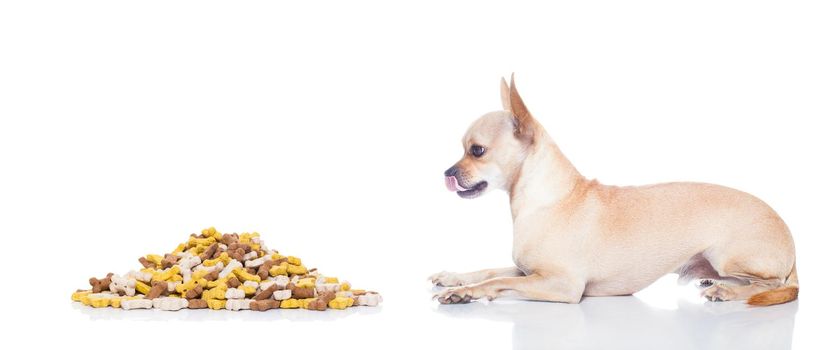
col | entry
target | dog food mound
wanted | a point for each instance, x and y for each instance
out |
(218, 271)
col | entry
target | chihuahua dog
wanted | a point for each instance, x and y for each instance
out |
(575, 237)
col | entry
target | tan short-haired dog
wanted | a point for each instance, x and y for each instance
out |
(575, 237)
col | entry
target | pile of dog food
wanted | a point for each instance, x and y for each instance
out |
(223, 271)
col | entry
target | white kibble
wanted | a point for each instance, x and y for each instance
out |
(235, 293)
(282, 294)
(134, 304)
(170, 303)
(238, 304)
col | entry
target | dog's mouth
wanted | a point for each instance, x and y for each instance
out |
(453, 185)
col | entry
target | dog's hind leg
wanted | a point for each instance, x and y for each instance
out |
(763, 281)
(451, 279)
(532, 287)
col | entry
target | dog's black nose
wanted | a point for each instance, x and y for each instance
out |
(452, 171)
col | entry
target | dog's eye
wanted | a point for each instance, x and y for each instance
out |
(477, 150)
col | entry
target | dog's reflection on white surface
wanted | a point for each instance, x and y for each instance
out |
(629, 323)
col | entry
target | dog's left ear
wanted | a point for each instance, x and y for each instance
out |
(524, 124)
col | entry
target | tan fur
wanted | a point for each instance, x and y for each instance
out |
(575, 237)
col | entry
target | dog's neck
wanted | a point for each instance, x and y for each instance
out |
(545, 178)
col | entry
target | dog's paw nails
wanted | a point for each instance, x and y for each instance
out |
(705, 283)
(454, 296)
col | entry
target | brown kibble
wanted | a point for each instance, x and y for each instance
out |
(159, 288)
(212, 276)
(100, 285)
(318, 304)
(266, 293)
(263, 305)
(327, 296)
(194, 293)
(251, 270)
(237, 254)
(233, 282)
(302, 293)
(209, 252)
(169, 260)
(246, 248)
(228, 239)
(197, 304)
(147, 263)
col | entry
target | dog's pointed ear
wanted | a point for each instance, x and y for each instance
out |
(523, 120)
(504, 95)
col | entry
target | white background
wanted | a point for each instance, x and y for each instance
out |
(326, 128)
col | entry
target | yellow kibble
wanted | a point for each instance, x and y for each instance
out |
(345, 286)
(175, 278)
(179, 249)
(143, 288)
(209, 232)
(290, 304)
(218, 282)
(340, 303)
(249, 290)
(305, 302)
(199, 274)
(167, 274)
(215, 293)
(296, 270)
(243, 275)
(194, 241)
(98, 301)
(306, 283)
(215, 304)
(293, 260)
(78, 295)
(156, 259)
(330, 280)
(277, 270)
(115, 302)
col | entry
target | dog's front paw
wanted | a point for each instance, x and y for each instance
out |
(446, 279)
(456, 295)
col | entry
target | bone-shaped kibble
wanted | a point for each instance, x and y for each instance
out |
(123, 285)
(235, 293)
(133, 304)
(159, 288)
(238, 304)
(369, 299)
(232, 265)
(257, 262)
(234, 272)
(282, 294)
(340, 303)
(245, 276)
(263, 305)
(266, 293)
(140, 276)
(169, 303)
(327, 287)
(250, 255)
(197, 304)
(101, 284)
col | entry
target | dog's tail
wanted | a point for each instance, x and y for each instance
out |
(780, 295)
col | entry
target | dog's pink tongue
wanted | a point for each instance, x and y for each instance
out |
(452, 185)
